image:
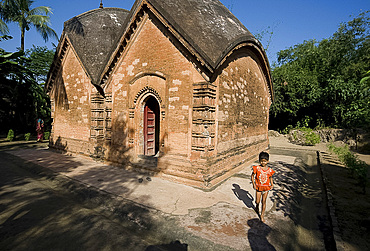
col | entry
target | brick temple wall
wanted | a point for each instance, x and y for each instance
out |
(243, 104)
(242, 115)
(71, 106)
(208, 131)
(152, 66)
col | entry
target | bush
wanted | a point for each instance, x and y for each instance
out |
(10, 136)
(27, 136)
(311, 138)
(46, 135)
(304, 136)
(287, 129)
(357, 168)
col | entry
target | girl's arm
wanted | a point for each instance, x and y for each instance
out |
(271, 182)
(253, 181)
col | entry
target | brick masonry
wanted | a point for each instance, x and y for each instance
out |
(207, 128)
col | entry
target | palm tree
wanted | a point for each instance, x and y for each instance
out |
(19, 11)
(3, 28)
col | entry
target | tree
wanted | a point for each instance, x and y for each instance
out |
(40, 60)
(3, 28)
(265, 37)
(14, 95)
(324, 83)
(20, 12)
(23, 101)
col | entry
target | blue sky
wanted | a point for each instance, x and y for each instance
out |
(291, 21)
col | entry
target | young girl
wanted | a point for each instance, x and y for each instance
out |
(262, 181)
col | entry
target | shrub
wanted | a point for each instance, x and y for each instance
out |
(304, 136)
(27, 136)
(287, 129)
(10, 136)
(357, 168)
(340, 151)
(311, 138)
(46, 135)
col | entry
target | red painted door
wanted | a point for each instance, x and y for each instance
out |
(149, 131)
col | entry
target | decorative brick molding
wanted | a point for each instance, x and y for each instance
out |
(146, 90)
(101, 116)
(204, 109)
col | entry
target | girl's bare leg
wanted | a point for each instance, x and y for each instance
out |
(258, 200)
(264, 199)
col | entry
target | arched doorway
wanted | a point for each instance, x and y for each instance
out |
(151, 126)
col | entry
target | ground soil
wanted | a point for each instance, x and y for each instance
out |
(351, 208)
(351, 205)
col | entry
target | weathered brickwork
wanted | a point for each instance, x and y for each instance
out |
(71, 105)
(243, 104)
(153, 67)
(160, 104)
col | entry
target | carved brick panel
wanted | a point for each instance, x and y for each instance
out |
(101, 116)
(204, 109)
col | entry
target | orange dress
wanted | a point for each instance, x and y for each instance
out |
(262, 178)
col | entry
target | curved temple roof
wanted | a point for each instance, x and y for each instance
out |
(206, 25)
(93, 34)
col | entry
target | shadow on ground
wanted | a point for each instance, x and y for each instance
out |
(351, 205)
(299, 195)
(31, 216)
(257, 235)
(244, 196)
(173, 246)
(37, 214)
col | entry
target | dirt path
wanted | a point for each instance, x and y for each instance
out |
(301, 200)
(37, 214)
(350, 207)
(296, 220)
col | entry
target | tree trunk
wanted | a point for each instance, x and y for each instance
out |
(23, 31)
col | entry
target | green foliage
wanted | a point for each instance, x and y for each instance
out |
(366, 79)
(5, 37)
(311, 138)
(21, 13)
(27, 136)
(46, 135)
(347, 103)
(10, 136)
(3, 27)
(287, 129)
(322, 83)
(358, 168)
(23, 98)
(305, 136)
(39, 60)
(340, 151)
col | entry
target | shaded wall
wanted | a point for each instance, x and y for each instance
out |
(71, 105)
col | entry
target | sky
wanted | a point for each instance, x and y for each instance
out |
(290, 21)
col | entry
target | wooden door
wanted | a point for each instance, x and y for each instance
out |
(149, 131)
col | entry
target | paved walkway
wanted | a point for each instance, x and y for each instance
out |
(225, 215)
(166, 196)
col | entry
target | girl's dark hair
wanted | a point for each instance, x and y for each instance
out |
(264, 155)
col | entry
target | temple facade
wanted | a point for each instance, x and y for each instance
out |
(177, 88)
